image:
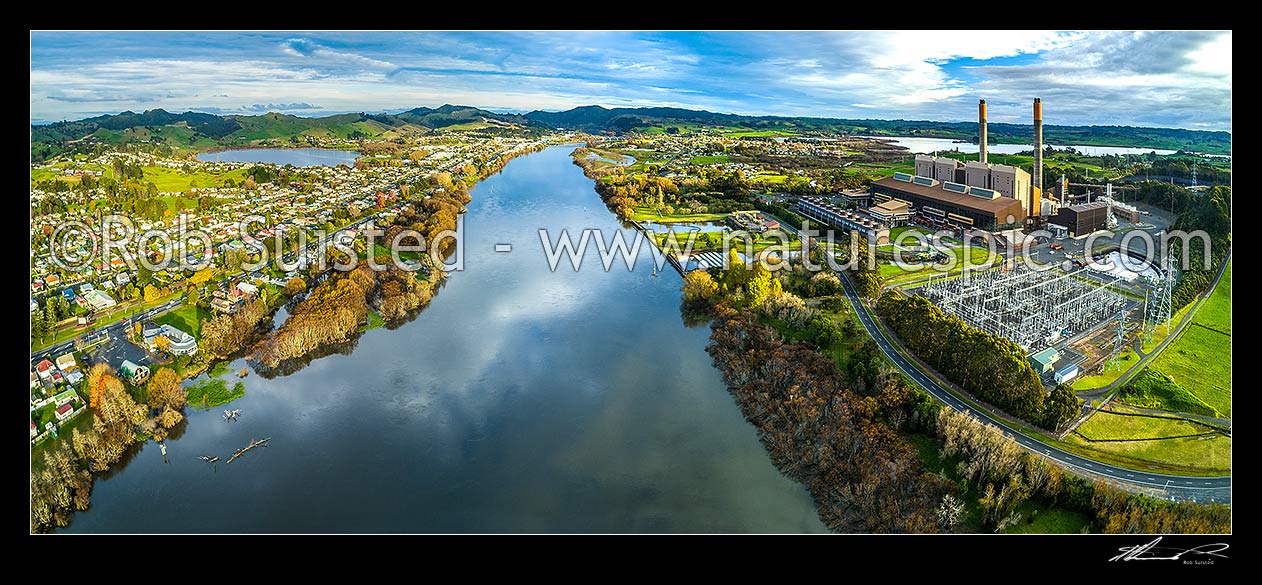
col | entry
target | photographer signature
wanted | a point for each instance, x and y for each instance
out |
(1152, 552)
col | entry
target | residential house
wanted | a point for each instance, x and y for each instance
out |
(66, 362)
(35, 385)
(34, 431)
(221, 304)
(64, 411)
(65, 397)
(45, 369)
(247, 288)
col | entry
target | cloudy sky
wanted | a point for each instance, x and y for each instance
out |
(1178, 79)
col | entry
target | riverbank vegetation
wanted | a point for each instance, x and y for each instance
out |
(828, 408)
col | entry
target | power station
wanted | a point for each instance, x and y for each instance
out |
(945, 192)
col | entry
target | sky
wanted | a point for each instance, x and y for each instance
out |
(1167, 79)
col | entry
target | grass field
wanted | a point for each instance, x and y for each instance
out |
(166, 179)
(1129, 358)
(769, 178)
(1216, 312)
(1154, 389)
(1200, 361)
(708, 160)
(646, 213)
(1191, 455)
(188, 319)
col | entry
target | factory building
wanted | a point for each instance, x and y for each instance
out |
(948, 202)
(1008, 180)
(867, 224)
(1083, 218)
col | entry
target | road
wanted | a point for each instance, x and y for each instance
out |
(1217, 489)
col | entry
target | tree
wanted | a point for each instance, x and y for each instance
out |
(1062, 405)
(950, 511)
(699, 287)
(201, 276)
(191, 297)
(758, 289)
(295, 286)
(151, 293)
(143, 276)
(165, 390)
(96, 382)
(170, 417)
(162, 343)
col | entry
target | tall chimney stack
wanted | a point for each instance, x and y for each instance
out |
(981, 130)
(1038, 143)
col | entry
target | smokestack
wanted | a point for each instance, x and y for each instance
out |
(1038, 143)
(981, 130)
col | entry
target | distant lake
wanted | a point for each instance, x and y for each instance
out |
(920, 145)
(299, 157)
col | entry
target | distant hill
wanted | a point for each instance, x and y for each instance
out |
(599, 119)
(199, 130)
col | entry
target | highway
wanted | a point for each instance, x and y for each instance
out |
(1202, 489)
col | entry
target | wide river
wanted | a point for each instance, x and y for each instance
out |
(921, 145)
(299, 157)
(520, 400)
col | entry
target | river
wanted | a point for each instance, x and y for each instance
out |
(520, 400)
(919, 145)
(299, 157)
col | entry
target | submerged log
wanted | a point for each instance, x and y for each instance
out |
(253, 444)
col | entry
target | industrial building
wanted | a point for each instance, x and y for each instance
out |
(867, 224)
(1083, 218)
(948, 202)
(1008, 181)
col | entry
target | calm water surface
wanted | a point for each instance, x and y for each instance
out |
(299, 157)
(521, 400)
(926, 145)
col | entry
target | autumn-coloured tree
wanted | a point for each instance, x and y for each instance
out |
(170, 417)
(164, 389)
(96, 382)
(162, 343)
(151, 293)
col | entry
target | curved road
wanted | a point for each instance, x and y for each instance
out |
(1205, 489)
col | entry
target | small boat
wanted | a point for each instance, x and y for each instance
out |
(164, 448)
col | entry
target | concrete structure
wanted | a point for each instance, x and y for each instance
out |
(1007, 180)
(981, 131)
(1038, 143)
(950, 203)
(1083, 218)
(892, 213)
(827, 213)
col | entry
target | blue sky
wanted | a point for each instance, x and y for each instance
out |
(1176, 79)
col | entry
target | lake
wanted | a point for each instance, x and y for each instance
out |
(299, 157)
(920, 145)
(520, 400)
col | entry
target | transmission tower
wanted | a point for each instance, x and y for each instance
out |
(1119, 342)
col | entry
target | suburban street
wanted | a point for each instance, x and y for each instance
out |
(1201, 489)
